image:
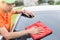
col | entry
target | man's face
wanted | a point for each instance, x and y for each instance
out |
(8, 6)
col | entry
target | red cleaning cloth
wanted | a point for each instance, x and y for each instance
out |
(44, 30)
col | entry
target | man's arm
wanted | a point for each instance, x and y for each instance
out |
(25, 13)
(11, 35)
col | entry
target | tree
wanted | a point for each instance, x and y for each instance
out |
(41, 1)
(18, 3)
(58, 3)
(51, 2)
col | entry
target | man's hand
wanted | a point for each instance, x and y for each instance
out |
(27, 13)
(35, 30)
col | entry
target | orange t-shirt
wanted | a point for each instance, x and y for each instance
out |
(5, 19)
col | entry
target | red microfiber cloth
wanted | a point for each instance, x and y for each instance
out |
(45, 29)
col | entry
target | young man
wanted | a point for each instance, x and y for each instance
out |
(6, 11)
